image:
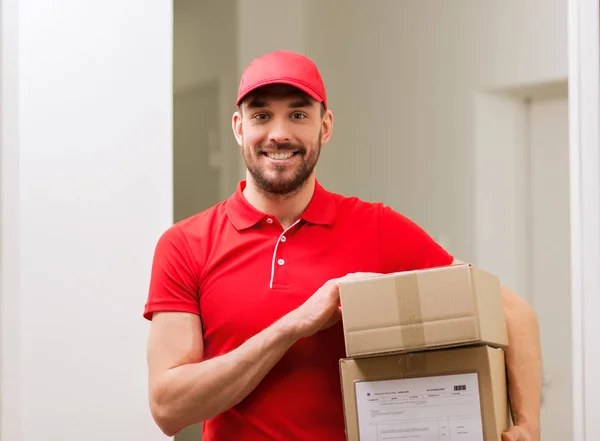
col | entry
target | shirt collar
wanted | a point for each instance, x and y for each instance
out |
(320, 210)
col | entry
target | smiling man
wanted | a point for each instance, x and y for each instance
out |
(246, 333)
(278, 164)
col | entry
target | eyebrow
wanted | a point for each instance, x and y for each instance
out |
(255, 103)
(301, 102)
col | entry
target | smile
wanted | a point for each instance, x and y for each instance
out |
(280, 156)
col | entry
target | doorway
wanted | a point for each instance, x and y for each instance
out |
(196, 159)
(523, 209)
(550, 258)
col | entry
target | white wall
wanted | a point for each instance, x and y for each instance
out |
(403, 80)
(9, 224)
(94, 146)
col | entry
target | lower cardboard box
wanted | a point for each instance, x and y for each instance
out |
(447, 394)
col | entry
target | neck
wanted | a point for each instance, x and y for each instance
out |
(285, 208)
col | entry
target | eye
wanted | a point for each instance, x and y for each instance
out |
(260, 116)
(298, 115)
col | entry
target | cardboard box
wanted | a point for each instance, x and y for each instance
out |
(426, 309)
(447, 394)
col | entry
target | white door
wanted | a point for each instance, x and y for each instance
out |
(550, 258)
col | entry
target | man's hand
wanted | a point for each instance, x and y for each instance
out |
(186, 389)
(523, 367)
(322, 310)
(519, 433)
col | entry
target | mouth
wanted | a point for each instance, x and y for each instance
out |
(279, 156)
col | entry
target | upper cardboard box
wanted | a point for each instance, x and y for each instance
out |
(425, 309)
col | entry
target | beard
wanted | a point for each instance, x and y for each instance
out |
(281, 180)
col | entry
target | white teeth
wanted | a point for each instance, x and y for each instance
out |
(280, 156)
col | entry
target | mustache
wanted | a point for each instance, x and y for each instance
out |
(286, 146)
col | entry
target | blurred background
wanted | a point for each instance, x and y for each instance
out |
(456, 114)
(453, 113)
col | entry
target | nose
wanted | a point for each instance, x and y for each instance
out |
(279, 132)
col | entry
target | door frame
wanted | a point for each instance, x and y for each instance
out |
(584, 150)
(9, 223)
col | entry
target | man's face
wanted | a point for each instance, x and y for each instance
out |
(281, 131)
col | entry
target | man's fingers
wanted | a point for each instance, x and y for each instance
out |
(514, 434)
(353, 276)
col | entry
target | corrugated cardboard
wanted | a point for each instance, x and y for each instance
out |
(425, 309)
(425, 410)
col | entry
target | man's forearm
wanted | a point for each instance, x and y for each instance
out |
(524, 363)
(193, 393)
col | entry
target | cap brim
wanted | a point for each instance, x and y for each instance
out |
(298, 85)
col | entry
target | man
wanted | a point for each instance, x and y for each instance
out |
(246, 333)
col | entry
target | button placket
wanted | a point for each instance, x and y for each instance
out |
(278, 260)
(281, 260)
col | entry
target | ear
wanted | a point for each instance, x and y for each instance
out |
(326, 127)
(236, 125)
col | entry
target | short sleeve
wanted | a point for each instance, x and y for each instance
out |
(174, 276)
(405, 246)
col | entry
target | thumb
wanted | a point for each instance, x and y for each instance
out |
(513, 434)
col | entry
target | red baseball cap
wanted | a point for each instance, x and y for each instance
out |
(283, 67)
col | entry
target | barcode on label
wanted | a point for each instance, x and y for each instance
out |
(460, 387)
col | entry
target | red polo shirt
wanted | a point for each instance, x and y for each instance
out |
(240, 271)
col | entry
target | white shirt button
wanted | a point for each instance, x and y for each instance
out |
(280, 262)
(283, 238)
(269, 220)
